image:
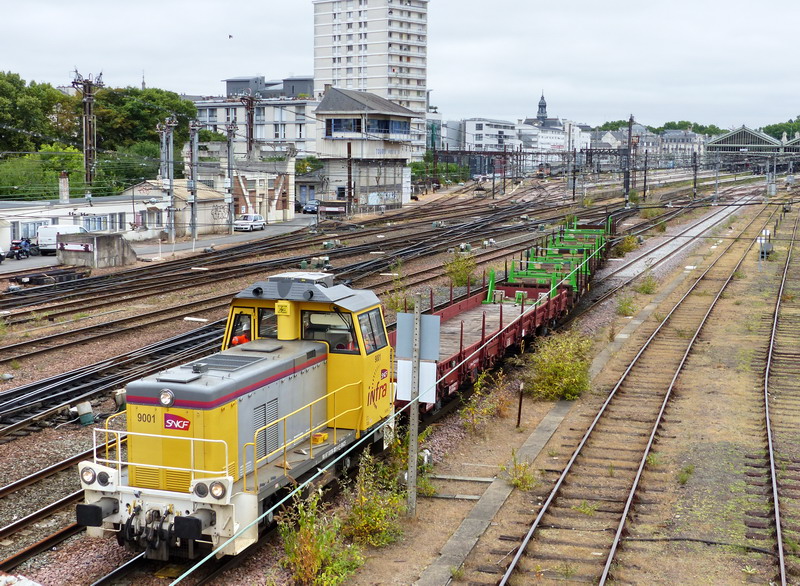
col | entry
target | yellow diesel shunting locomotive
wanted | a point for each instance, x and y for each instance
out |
(304, 372)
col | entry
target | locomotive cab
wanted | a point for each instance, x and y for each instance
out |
(303, 375)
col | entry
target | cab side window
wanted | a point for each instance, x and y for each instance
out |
(334, 328)
(372, 330)
(241, 332)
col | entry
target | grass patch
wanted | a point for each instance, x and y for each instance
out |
(585, 508)
(650, 213)
(625, 305)
(654, 459)
(647, 285)
(685, 473)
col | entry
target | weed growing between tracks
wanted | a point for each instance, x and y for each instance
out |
(314, 550)
(323, 545)
(460, 268)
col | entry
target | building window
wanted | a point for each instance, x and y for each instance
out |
(280, 131)
(230, 114)
(479, 127)
(334, 125)
(300, 131)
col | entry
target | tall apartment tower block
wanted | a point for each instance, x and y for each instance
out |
(377, 46)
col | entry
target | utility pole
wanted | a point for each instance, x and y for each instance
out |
(194, 129)
(249, 118)
(349, 178)
(694, 172)
(230, 129)
(435, 155)
(413, 408)
(87, 87)
(504, 169)
(627, 165)
(574, 171)
(171, 123)
(167, 169)
(644, 186)
(716, 180)
(493, 177)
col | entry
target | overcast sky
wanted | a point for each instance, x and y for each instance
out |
(724, 62)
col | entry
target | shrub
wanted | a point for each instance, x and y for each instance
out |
(520, 473)
(372, 506)
(486, 400)
(398, 299)
(559, 367)
(650, 213)
(624, 246)
(633, 197)
(460, 268)
(314, 552)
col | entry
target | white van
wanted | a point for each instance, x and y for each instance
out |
(47, 236)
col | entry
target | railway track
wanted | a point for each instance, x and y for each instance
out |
(25, 406)
(582, 520)
(781, 408)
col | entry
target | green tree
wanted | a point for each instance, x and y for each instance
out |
(790, 127)
(126, 116)
(613, 125)
(211, 136)
(35, 176)
(32, 114)
(307, 165)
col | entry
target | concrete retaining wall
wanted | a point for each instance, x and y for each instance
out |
(95, 250)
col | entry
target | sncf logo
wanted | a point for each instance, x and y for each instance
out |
(384, 374)
(176, 422)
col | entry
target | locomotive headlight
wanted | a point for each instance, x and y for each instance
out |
(217, 489)
(103, 478)
(88, 475)
(166, 398)
(201, 490)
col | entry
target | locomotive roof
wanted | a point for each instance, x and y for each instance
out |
(211, 381)
(313, 287)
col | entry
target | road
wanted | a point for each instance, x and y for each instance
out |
(150, 250)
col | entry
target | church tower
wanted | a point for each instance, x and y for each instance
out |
(541, 115)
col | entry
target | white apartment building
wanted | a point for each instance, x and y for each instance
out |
(377, 46)
(484, 134)
(278, 123)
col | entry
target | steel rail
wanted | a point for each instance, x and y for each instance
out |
(584, 440)
(46, 544)
(768, 421)
(678, 372)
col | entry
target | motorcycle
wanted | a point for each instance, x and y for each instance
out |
(22, 249)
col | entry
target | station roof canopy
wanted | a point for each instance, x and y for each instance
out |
(744, 140)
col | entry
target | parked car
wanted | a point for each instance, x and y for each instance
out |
(249, 222)
(311, 206)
